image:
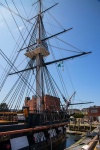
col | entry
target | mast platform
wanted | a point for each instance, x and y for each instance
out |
(38, 50)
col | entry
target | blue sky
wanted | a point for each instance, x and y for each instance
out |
(84, 17)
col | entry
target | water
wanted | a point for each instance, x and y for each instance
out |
(71, 139)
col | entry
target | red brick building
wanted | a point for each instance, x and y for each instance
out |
(51, 103)
(31, 103)
(94, 113)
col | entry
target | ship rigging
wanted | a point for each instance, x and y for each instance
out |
(36, 52)
(45, 116)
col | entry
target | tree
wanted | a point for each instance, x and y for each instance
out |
(79, 115)
(4, 107)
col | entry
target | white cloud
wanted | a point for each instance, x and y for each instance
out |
(20, 28)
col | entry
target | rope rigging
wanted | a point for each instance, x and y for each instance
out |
(61, 79)
(79, 50)
(25, 81)
(18, 90)
(14, 12)
(15, 22)
(21, 92)
(4, 75)
(67, 43)
(19, 15)
(55, 84)
(63, 29)
(24, 9)
(14, 68)
(63, 49)
(55, 20)
(51, 85)
(60, 76)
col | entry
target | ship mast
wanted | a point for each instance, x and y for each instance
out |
(38, 52)
(39, 18)
(37, 49)
(38, 63)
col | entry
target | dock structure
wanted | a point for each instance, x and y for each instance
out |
(88, 140)
(82, 127)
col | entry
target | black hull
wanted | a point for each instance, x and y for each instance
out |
(41, 138)
(58, 143)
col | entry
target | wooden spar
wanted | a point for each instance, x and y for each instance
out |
(46, 38)
(66, 58)
(49, 63)
(43, 11)
(32, 129)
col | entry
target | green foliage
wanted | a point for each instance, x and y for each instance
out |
(4, 107)
(78, 115)
(20, 111)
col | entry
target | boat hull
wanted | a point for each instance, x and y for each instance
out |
(44, 139)
(37, 138)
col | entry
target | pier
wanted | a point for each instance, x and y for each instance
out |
(82, 127)
(89, 140)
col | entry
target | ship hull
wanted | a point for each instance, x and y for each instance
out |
(37, 138)
(58, 143)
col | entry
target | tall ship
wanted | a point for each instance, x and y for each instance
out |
(33, 112)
